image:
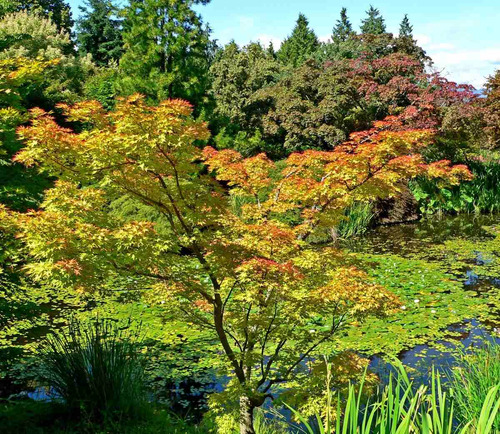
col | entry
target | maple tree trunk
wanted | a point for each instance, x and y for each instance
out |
(246, 415)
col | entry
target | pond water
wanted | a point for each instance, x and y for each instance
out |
(409, 238)
(422, 241)
(449, 300)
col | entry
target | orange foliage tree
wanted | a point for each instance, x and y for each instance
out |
(246, 272)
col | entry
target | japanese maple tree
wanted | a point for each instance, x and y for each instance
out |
(248, 273)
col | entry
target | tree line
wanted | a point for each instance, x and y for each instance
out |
(305, 94)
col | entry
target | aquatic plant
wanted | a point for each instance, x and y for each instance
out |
(472, 380)
(478, 195)
(400, 409)
(359, 217)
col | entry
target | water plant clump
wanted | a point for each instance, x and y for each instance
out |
(404, 407)
(472, 379)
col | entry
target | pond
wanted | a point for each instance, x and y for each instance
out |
(444, 270)
(450, 286)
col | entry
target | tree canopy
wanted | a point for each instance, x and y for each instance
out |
(167, 49)
(405, 28)
(248, 275)
(343, 29)
(58, 11)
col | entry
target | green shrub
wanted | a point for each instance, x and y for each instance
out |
(95, 369)
(102, 87)
(481, 195)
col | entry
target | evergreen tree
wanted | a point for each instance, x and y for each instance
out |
(405, 43)
(270, 50)
(167, 49)
(57, 10)
(405, 28)
(300, 45)
(374, 23)
(98, 31)
(237, 74)
(343, 30)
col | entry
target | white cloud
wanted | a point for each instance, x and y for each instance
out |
(422, 39)
(471, 57)
(461, 65)
(468, 66)
(427, 42)
(441, 46)
(324, 38)
(265, 39)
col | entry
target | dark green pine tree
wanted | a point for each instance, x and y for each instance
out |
(57, 10)
(374, 23)
(271, 51)
(406, 44)
(405, 28)
(343, 29)
(167, 49)
(99, 31)
(300, 45)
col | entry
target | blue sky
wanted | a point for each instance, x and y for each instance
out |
(462, 36)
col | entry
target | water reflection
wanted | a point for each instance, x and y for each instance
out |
(406, 239)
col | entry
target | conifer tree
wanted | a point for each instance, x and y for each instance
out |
(300, 45)
(270, 50)
(406, 44)
(374, 23)
(405, 28)
(99, 31)
(343, 29)
(167, 49)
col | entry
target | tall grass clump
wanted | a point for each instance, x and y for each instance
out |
(95, 369)
(472, 380)
(358, 218)
(401, 408)
(272, 425)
